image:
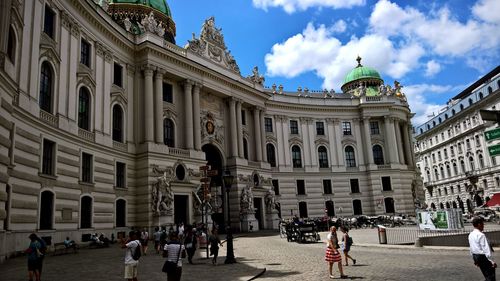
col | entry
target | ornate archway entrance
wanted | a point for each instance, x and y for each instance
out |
(215, 161)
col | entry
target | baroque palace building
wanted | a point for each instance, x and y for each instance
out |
(452, 153)
(105, 123)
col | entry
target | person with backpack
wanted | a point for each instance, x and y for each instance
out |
(33, 252)
(132, 255)
(346, 245)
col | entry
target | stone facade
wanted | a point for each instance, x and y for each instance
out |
(103, 129)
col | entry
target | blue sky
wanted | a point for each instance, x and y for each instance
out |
(434, 48)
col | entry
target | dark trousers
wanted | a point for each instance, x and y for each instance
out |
(486, 267)
(190, 254)
(176, 275)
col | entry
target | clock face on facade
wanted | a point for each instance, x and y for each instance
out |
(210, 127)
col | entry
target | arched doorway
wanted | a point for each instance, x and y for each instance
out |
(478, 200)
(433, 206)
(454, 204)
(215, 161)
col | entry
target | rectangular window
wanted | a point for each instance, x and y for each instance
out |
(168, 93)
(85, 53)
(320, 128)
(87, 167)
(276, 186)
(327, 186)
(386, 184)
(346, 128)
(294, 127)
(120, 174)
(243, 117)
(268, 125)
(301, 187)
(48, 157)
(118, 75)
(374, 129)
(48, 22)
(354, 186)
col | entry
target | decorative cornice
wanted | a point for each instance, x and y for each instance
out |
(130, 69)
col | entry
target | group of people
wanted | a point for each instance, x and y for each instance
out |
(175, 245)
(334, 248)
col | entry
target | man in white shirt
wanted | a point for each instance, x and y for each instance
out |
(130, 263)
(481, 251)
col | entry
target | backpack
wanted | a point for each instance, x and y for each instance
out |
(136, 254)
(43, 246)
(349, 241)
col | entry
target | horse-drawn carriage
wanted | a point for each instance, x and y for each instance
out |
(301, 232)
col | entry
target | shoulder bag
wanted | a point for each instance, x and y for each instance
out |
(170, 266)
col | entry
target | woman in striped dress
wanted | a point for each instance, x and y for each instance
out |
(332, 252)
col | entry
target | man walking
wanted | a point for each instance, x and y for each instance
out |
(132, 255)
(481, 251)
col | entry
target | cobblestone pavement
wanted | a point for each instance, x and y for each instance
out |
(254, 252)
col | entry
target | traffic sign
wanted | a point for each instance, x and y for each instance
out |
(494, 150)
(211, 173)
(205, 179)
(492, 134)
(205, 185)
(205, 168)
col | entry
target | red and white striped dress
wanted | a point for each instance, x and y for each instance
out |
(333, 255)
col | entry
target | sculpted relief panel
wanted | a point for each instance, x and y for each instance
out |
(212, 119)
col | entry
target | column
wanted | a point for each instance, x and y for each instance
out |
(263, 136)
(188, 111)
(390, 140)
(407, 146)
(359, 143)
(411, 155)
(232, 121)
(239, 129)
(312, 146)
(333, 142)
(338, 142)
(280, 139)
(148, 105)
(196, 116)
(305, 139)
(368, 141)
(159, 105)
(258, 138)
(286, 146)
(399, 141)
(131, 129)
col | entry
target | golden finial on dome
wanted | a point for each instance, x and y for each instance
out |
(359, 61)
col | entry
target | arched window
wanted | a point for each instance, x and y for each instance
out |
(86, 212)
(46, 210)
(462, 166)
(455, 169)
(454, 204)
(296, 157)
(389, 205)
(46, 86)
(271, 155)
(428, 175)
(481, 95)
(442, 172)
(481, 161)
(436, 174)
(490, 90)
(120, 214)
(441, 206)
(117, 123)
(84, 109)
(453, 112)
(357, 208)
(303, 210)
(350, 159)
(11, 46)
(378, 155)
(470, 101)
(245, 148)
(168, 132)
(433, 206)
(447, 205)
(439, 120)
(448, 170)
(446, 116)
(471, 163)
(323, 157)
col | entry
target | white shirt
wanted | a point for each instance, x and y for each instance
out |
(130, 249)
(479, 244)
(173, 252)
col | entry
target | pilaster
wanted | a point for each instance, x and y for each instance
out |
(196, 116)
(148, 104)
(158, 110)
(188, 111)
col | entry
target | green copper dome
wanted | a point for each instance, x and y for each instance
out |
(360, 72)
(159, 5)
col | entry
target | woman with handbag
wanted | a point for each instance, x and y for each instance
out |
(332, 252)
(174, 252)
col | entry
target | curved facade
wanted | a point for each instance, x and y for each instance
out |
(103, 129)
(452, 153)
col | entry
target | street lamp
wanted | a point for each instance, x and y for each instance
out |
(228, 181)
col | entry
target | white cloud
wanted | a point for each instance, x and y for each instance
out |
(339, 26)
(487, 10)
(291, 6)
(432, 68)
(420, 100)
(316, 49)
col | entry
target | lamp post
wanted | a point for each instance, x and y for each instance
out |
(228, 181)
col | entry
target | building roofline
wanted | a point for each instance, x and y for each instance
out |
(478, 83)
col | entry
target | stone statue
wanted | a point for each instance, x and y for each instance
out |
(270, 200)
(246, 200)
(162, 195)
(382, 90)
(361, 89)
(127, 23)
(397, 88)
(256, 77)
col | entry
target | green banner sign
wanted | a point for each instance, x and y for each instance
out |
(492, 134)
(494, 150)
